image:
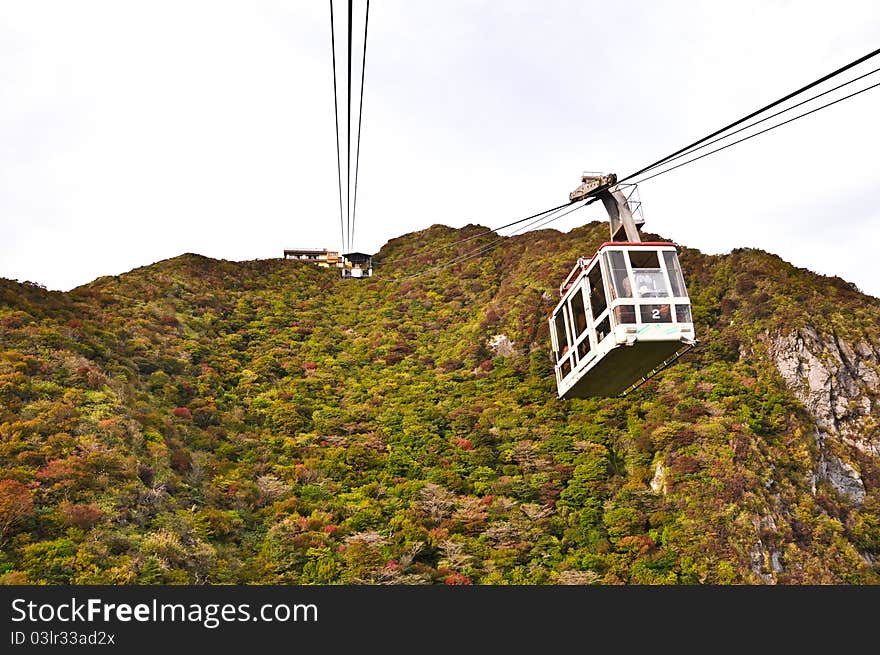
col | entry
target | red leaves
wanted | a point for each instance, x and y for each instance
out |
(457, 579)
(84, 470)
(11, 322)
(464, 444)
(16, 503)
(81, 516)
(641, 544)
(93, 378)
(182, 412)
(67, 469)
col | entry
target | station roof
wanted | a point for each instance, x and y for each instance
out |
(306, 251)
(357, 256)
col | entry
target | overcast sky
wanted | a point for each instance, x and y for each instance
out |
(135, 131)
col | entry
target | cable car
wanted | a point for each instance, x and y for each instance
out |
(624, 314)
(356, 265)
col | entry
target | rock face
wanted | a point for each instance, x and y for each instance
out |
(842, 476)
(839, 385)
(658, 482)
(765, 561)
(501, 345)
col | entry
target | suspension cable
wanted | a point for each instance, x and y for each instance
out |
(491, 230)
(754, 113)
(336, 114)
(751, 136)
(479, 248)
(348, 155)
(498, 237)
(763, 120)
(357, 152)
(689, 149)
(531, 227)
(544, 218)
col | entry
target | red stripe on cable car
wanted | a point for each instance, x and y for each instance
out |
(636, 243)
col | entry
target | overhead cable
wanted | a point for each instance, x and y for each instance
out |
(764, 120)
(544, 218)
(775, 103)
(357, 152)
(491, 230)
(348, 156)
(752, 136)
(537, 224)
(336, 114)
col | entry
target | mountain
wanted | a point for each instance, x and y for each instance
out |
(204, 421)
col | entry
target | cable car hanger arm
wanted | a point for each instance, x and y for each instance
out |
(604, 187)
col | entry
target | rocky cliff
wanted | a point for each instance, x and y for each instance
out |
(838, 384)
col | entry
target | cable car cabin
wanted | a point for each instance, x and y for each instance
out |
(357, 265)
(623, 313)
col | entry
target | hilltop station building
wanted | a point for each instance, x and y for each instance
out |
(353, 264)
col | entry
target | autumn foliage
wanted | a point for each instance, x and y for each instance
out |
(211, 422)
(16, 504)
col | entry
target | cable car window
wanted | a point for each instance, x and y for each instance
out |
(603, 329)
(683, 314)
(625, 314)
(676, 279)
(579, 314)
(583, 348)
(621, 287)
(597, 292)
(655, 314)
(650, 283)
(649, 278)
(566, 366)
(561, 335)
(644, 259)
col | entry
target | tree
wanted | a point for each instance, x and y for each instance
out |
(16, 504)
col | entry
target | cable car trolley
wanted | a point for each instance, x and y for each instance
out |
(625, 314)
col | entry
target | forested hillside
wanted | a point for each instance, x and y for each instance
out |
(204, 421)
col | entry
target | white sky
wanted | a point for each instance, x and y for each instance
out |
(135, 131)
